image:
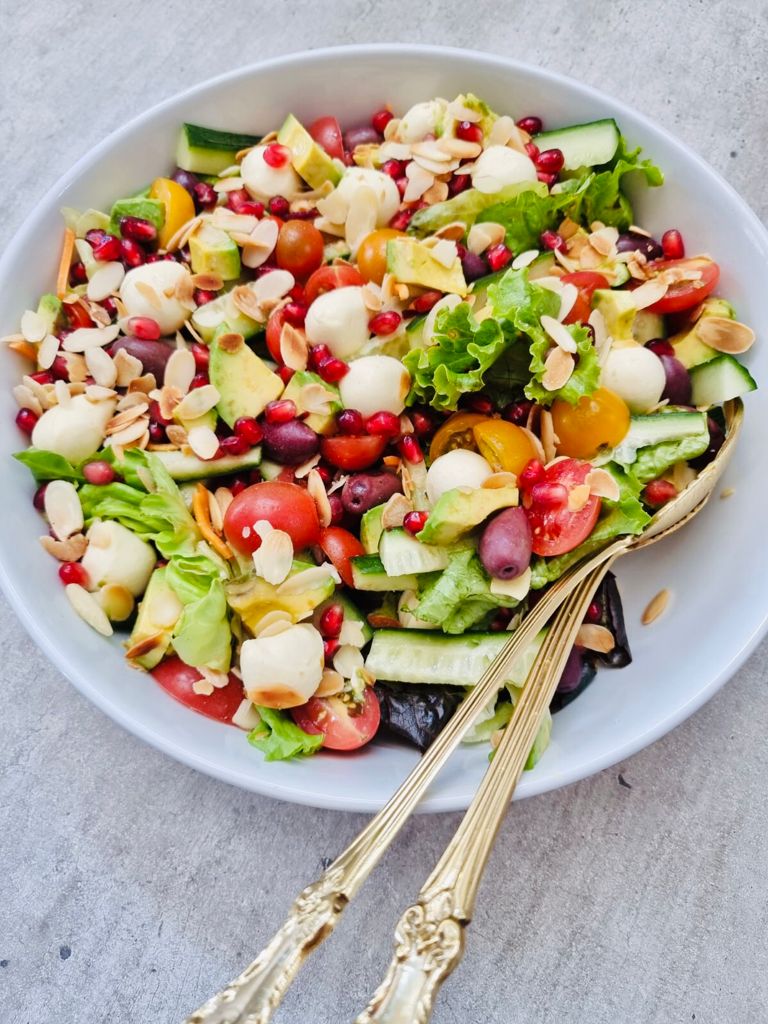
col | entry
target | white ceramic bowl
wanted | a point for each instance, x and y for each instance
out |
(715, 568)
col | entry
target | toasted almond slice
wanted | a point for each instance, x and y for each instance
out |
(116, 601)
(655, 607)
(315, 398)
(361, 217)
(525, 259)
(132, 433)
(230, 342)
(203, 442)
(317, 492)
(101, 367)
(602, 484)
(125, 418)
(604, 240)
(302, 582)
(578, 497)
(128, 367)
(331, 683)
(224, 498)
(649, 292)
(70, 550)
(293, 347)
(26, 399)
(444, 252)
(568, 296)
(228, 220)
(372, 297)
(105, 281)
(63, 509)
(500, 479)
(185, 232)
(208, 282)
(167, 398)
(34, 326)
(549, 438)
(431, 149)
(395, 510)
(482, 236)
(228, 184)
(176, 435)
(271, 287)
(99, 393)
(569, 264)
(419, 180)
(202, 687)
(437, 193)
(454, 231)
(88, 337)
(244, 299)
(97, 313)
(273, 622)
(594, 637)
(88, 608)
(197, 403)
(47, 351)
(145, 383)
(559, 333)
(726, 492)
(180, 370)
(558, 367)
(274, 557)
(725, 335)
(300, 472)
(459, 148)
(264, 234)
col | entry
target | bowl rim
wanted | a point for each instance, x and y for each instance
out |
(34, 625)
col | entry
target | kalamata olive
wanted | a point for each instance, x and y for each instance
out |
(474, 266)
(505, 546)
(186, 179)
(290, 443)
(678, 386)
(361, 135)
(364, 491)
(572, 671)
(153, 355)
(630, 241)
(716, 439)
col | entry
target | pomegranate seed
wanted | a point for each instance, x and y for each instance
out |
(73, 572)
(131, 252)
(138, 229)
(199, 381)
(237, 485)
(350, 422)
(337, 509)
(157, 433)
(425, 302)
(498, 256)
(532, 150)
(39, 498)
(107, 249)
(549, 495)
(551, 240)
(110, 306)
(672, 244)
(383, 424)
(43, 377)
(459, 183)
(60, 369)
(661, 347)
(26, 420)
(295, 313)
(414, 521)
(249, 429)
(234, 445)
(276, 155)
(144, 327)
(410, 449)
(394, 168)
(481, 404)
(324, 474)
(318, 355)
(385, 323)
(401, 220)
(281, 411)
(593, 612)
(551, 161)
(205, 194)
(530, 124)
(285, 373)
(517, 412)
(469, 132)
(532, 473)
(296, 294)
(381, 119)
(422, 422)
(94, 236)
(548, 179)
(402, 185)
(99, 473)
(200, 354)
(239, 201)
(156, 415)
(332, 370)
(77, 274)
(202, 296)
(500, 620)
(330, 647)
(279, 206)
(332, 620)
(659, 492)
(304, 214)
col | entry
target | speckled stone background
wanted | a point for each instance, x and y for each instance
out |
(130, 887)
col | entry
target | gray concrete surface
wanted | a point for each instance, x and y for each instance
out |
(130, 887)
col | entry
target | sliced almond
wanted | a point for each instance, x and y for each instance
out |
(101, 367)
(649, 292)
(197, 403)
(294, 349)
(99, 393)
(602, 484)
(230, 342)
(604, 240)
(180, 370)
(88, 337)
(261, 243)
(303, 470)
(436, 193)
(208, 282)
(559, 333)
(308, 579)
(88, 608)
(128, 367)
(274, 557)
(372, 297)
(455, 231)
(500, 479)
(131, 434)
(314, 398)
(271, 287)
(34, 326)
(117, 602)
(317, 492)
(26, 399)
(176, 435)
(525, 259)
(47, 351)
(70, 550)
(185, 232)
(395, 510)
(150, 294)
(331, 683)
(444, 252)
(578, 497)
(725, 335)
(228, 220)
(98, 314)
(106, 281)
(482, 236)
(244, 300)
(419, 180)
(228, 184)
(125, 418)
(347, 660)
(501, 131)
(167, 398)
(352, 633)
(224, 499)
(63, 509)
(145, 383)
(273, 622)
(203, 442)
(361, 216)
(202, 687)
(461, 149)
(63, 392)
(655, 607)
(568, 295)
(558, 368)
(549, 438)
(594, 637)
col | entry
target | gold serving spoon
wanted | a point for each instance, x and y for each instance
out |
(430, 934)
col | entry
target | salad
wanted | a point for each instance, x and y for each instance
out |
(316, 416)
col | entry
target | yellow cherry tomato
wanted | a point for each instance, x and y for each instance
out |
(179, 207)
(506, 447)
(599, 420)
(372, 254)
(456, 432)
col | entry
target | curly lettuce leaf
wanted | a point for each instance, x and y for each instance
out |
(656, 459)
(279, 738)
(532, 211)
(460, 596)
(604, 198)
(468, 207)
(45, 465)
(202, 636)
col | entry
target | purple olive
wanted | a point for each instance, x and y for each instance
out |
(678, 386)
(153, 355)
(716, 439)
(474, 266)
(630, 241)
(505, 546)
(572, 671)
(364, 491)
(186, 179)
(290, 443)
(361, 135)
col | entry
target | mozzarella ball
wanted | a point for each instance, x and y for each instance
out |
(375, 384)
(161, 277)
(421, 120)
(635, 374)
(499, 166)
(75, 430)
(264, 181)
(382, 186)
(283, 670)
(339, 319)
(458, 468)
(116, 555)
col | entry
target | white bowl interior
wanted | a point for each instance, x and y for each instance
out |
(714, 568)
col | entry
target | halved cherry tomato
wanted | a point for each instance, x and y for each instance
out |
(557, 528)
(587, 281)
(352, 453)
(343, 727)
(505, 446)
(340, 545)
(326, 131)
(274, 330)
(372, 254)
(77, 315)
(456, 432)
(339, 275)
(177, 678)
(299, 248)
(286, 506)
(596, 421)
(685, 294)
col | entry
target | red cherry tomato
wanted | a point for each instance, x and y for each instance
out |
(352, 453)
(587, 281)
(342, 728)
(177, 678)
(286, 506)
(685, 294)
(77, 315)
(274, 330)
(557, 528)
(340, 275)
(299, 248)
(340, 545)
(326, 131)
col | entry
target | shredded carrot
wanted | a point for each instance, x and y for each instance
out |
(24, 348)
(62, 278)
(202, 513)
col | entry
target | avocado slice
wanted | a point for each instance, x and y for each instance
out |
(253, 598)
(310, 161)
(371, 529)
(688, 346)
(244, 382)
(49, 307)
(619, 310)
(212, 251)
(457, 512)
(321, 423)
(159, 611)
(412, 262)
(207, 318)
(142, 207)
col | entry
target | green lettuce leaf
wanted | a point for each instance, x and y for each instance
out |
(279, 738)
(656, 459)
(532, 211)
(202, 636)
(604, 198)
(48, 466)
(460, 596)
(469, 206)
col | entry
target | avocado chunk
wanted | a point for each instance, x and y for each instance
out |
(647, 326)
(412, 262)
(212, 251)
(142, 207)
(49, 307)
(619, 310)
(159, 611)
(253, 598)
(222, 310)
(688, 346)
(457, 512)
(244, 382)
(371, 529)
(321, 423)
(208, 419)
(310, 161)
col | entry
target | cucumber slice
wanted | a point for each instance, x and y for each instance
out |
(209, 151)
(189, 467)
(419, 656)
(401, 553)
(368, 573)
(719, 380)
(658, 428)
(583, 145)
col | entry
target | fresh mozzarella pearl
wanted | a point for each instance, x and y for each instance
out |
(421, 120)
(408, 601)
(635, 374)
(264, 181)
(116, 555)
(375, 384)
(339, 319)
(458, 468)
(449, 301)
(161, 277)
(75, 430)
(382, 186)
(284, 670)
(499, 166)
